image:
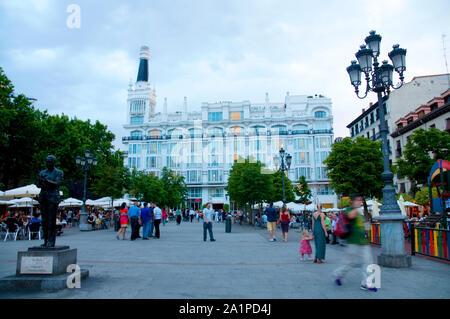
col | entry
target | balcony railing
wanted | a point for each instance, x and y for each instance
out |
(141, 138)
(323, 131)
(296, 132)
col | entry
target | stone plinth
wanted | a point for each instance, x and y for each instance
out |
(43, 268)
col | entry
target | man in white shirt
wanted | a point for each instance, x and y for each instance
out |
(157, 213)
(208, 218)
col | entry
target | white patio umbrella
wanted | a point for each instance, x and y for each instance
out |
(294, 206)
(118, 202)
(90, 202)
(409, 204)
(24, 201)
(71, 202)
(278, 204)
(24, 191)
(21, 205)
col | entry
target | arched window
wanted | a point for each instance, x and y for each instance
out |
(279, 130)
(215, 132)
(195, 132)
(320, 114)
(155, 133)
(136, 134)
(258, 130)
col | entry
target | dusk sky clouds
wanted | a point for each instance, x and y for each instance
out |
(208, 50)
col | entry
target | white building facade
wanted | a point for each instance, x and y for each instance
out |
(203, 145)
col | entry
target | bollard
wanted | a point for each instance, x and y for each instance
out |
(228, 225)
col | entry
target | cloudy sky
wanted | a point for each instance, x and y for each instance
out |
(208, 50)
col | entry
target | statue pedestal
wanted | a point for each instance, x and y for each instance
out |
(43, 268)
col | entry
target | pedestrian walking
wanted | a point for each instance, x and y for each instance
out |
(305, 245)
(135, 219)
(157, 213)
(333, 229)
(356, 252)
(145, 219)
(178, 215)
(320, 234)
(284, 219)
(123, 220)
(191, 214)
(272, 220)
(164, 216)
(327, 221)
(208, 218)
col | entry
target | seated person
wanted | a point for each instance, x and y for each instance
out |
(91, 220)
(34, 224)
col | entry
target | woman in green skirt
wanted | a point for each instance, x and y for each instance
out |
(320, 234)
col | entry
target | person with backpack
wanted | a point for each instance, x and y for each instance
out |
(356, 251)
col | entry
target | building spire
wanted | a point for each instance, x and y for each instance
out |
(143, 64)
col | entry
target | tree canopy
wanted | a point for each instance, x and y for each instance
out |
(355, 166)
(422, 150)
(302, 190)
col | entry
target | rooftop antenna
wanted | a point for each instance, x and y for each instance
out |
(445, 58)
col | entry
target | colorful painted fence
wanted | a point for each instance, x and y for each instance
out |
(432, 242)
(373, 234)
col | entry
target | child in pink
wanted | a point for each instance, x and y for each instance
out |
(305, 246)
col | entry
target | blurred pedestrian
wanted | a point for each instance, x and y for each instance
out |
(123, 219)
(284, 219)
(145, 219)
(208, 218)
(327, 221)
(135, 218)
(356, 252)
(320, 234)
(272, 219)
(157, 215)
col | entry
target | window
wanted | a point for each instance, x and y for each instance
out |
(195, 132)
(154, 148)
(320, 157)
(215, 176)
(236, 130)
(320, 173)
(214, 116)
(194, 176)
(301, 143)
(152, 162)
(258, 130)
(303, 171)
(213, 160)
(194, 192)
(323, 142)
(216, 132)
(134, 120)
(137, 106)
(324, 190)
(279, 129)
(371, 118)
(236, 116)
(136, 134)
(320, 114)
(216, 192)
(173, 162)
(320, 126)
(300, 128)
(301, 158)
(155, 133)
(174, 133)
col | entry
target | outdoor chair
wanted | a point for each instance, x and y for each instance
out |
(12, 232)
(34, 228)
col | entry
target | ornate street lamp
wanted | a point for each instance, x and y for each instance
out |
(85, 162)
(286, 160)
(379, 79)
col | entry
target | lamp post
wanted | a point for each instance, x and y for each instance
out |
(379, 80)
(286, 160)
(85, 162)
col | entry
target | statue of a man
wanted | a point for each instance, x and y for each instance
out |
(49, 181)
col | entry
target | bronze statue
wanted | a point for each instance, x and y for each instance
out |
(49, 181)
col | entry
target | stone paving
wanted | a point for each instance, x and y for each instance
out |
(242, 264)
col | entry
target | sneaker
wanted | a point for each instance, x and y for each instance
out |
(274, 239)
(213, 240)
(364, 287)
(271, 239)
(338, 282)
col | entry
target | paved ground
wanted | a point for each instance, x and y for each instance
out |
(240, 264)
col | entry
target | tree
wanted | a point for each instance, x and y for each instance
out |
(147, 187)
(423, 196)
(277, 194)
(111, 178)
(248, 185)
(355, 166)
(422, 150)
(344, 202)
(302, 190)
(175, 188)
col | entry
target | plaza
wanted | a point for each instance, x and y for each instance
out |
(242, 264)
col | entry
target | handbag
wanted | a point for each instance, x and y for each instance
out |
(343, 227)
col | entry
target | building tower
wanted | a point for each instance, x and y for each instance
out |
(141, 100)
